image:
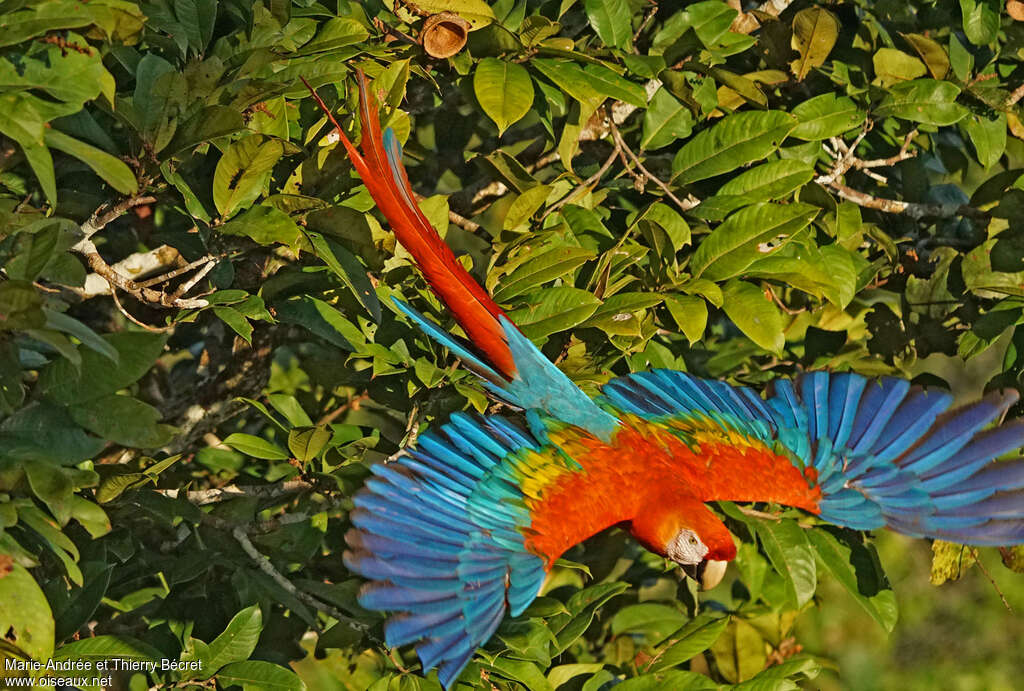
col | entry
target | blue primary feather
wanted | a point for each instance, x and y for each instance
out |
(537, 385)
(438, 534)
(886, 453)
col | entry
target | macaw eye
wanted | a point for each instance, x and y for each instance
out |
(693, 540)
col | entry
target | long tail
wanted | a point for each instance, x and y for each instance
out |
(380, 167)
(510, 365)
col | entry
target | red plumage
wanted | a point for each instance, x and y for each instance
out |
(473, 308)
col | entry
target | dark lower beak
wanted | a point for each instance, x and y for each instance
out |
(707, 574)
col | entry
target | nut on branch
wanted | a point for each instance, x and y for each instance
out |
(444, 34)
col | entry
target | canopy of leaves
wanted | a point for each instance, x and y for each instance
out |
(199, 357)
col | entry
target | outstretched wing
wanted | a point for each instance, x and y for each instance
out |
(439, 532)
(885, 453)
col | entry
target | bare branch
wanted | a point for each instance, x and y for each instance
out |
(1015, 96)
(133, 320)
(134, 266)
(911, 209)
(264, 564)
(86, 248)
(210, 496)
(690, 202)
(99, 220)
(587, 184)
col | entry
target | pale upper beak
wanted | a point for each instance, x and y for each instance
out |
(707, 573)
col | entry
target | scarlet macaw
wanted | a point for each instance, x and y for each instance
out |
(464, 528)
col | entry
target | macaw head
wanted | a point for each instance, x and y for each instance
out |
(685, 530)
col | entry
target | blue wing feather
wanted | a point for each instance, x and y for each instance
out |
(440, 540)
(886, 453)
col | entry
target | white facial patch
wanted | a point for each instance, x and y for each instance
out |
(686, 548)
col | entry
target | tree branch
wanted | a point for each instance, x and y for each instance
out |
(690, 202)
(911, 209)
(210, 496)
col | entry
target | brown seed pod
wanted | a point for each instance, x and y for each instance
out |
(444, 34)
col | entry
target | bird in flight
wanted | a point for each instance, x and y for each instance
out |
(461, 531)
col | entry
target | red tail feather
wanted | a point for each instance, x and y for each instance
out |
(389, 186)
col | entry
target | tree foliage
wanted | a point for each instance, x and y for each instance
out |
(199, 357)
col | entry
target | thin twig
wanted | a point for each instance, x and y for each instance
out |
(463, 222)
(199, 275)
(587, 184)
(209, 496)
(685, 206)
(264, 564)
(912, 209)
(163, 278)
(758, 514)
(92, 256)
(648, 16)
(1015, 96)
(977, 560)
(350, 404)
(99, 220)
(133, 320)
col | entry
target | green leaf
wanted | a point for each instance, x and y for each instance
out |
(106, 647)
(88, 337)
(675, 679)
(115, 171)
(123, 420)
(346, 266)
(256, 675)
(526, 673)
(771, 180)
(691, 640)
(960, 59)
(243, 172)
(893, 66)
(20, 306)
(740, 651)
(321, 319)
(931, 52)
(20, 121)
(477, 12)
(524, 206)
(655, 620)
(665, 121)
(25, 613)
(754, 314)
(236, 642)
(546, 266)
(208, 123)
(561, 674)
(827, 115)
(690, 314)
(987, 136)
(256, 447)
(504, 90)
(786, 545)
(551, 310)
(815, 31)
(570, 78)
(851, 563)
(614, 86)
(236, 320)
(611, 21)
(923, 100)
(306, 443)
(734, 141)
(136, 353)
(336, 33)
(749, 234)
(981, 20)
(265, 225)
